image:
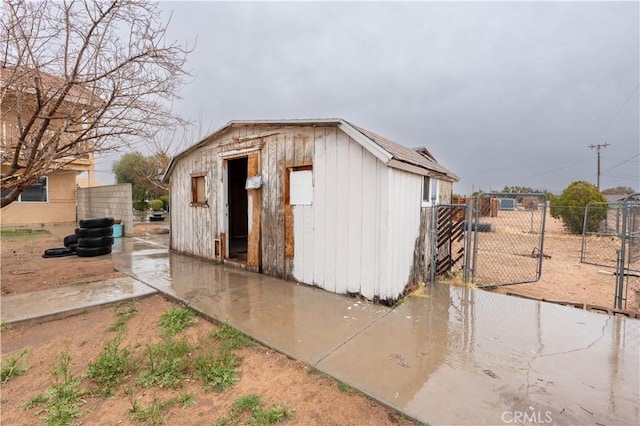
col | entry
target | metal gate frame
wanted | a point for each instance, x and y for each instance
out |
(475, 229)
(626, 256)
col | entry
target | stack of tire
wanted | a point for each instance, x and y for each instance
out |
(94, 237)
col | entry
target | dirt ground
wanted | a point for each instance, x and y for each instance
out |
(565, 278)
(313, 397)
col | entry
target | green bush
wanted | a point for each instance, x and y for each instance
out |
(156, 205)
(570, 205)
(165, 202)
(140, 205)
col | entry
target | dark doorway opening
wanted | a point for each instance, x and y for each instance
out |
(238, 208)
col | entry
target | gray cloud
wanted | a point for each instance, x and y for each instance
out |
(501, 93)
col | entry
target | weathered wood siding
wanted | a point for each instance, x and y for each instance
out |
(193, 229)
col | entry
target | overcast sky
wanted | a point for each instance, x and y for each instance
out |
(501, 93)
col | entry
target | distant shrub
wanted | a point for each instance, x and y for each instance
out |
(571, 203)
(165, 202)
(156, 205)
(140, 205)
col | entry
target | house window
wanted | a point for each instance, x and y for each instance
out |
(429, 191)
(198, 191)
(36, 193)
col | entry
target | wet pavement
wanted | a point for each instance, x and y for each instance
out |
(66, 301)
(454, 356)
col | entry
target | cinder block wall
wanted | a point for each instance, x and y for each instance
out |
(108, 200)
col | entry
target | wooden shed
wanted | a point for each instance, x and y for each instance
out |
(321, 202)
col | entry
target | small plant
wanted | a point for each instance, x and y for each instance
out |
(217, 370)
(35, 401)
(10, 367)
(152, 414)
(249, 402)
(272, 415)
(4, 327)
(313, 370)
(168, 364)
(258, 415)
(61, 400)
(186, 399)
(231, 338)
(123, 314)
(345, 387)
(175, 320)
(111, 367)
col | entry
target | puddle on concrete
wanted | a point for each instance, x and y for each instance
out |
(462, 356)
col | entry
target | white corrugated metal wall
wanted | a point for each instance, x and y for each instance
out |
(359, 234)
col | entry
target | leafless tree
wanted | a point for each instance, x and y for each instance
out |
(79, 78)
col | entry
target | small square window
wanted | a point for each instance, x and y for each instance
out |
(198, 190)
(426, 189)
(429, 190)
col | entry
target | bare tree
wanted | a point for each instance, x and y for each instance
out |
(79, 78)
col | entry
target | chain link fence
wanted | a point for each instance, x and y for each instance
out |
(628, 255)
(601, 233)
(508, 238)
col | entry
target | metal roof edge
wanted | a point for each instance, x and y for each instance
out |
(366, 142)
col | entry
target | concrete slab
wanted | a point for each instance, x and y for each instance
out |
(303, 322)
(461, 356)
(65, 301)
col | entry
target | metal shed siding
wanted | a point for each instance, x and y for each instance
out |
(335, 237)
(403, 230)
(358, 235)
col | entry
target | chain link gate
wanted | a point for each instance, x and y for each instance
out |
(508, 238)
(628, 256)
(601, 231)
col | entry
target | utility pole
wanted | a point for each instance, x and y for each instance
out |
(597, 147)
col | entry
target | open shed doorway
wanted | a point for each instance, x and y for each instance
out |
(238, 208)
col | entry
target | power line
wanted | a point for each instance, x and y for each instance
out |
(621, 107)
(620, 164)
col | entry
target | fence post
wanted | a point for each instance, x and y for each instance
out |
(433, 243)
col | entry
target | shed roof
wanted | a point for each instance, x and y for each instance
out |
(418, 161)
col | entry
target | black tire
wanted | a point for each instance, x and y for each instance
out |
(95, 241)
(96, 222)
(92, 251)
(57, 252)
(73, 247)
(94, 232)
(70, 239)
